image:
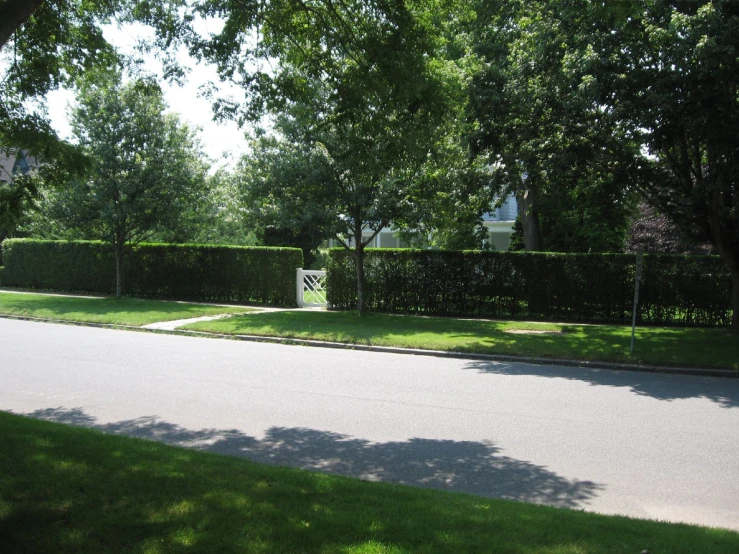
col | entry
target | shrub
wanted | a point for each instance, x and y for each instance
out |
(193, 272)
(686, 290)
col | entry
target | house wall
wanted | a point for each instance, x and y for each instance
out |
(500, 239)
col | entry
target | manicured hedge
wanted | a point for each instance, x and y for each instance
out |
(675, 290)
(192, 272)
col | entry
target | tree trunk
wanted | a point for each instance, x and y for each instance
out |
(13, 14)
(529, 220)
(359, 257)
(118, 271)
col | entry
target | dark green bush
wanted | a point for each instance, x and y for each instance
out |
(193, 272)
(2, 270)
(680, 290)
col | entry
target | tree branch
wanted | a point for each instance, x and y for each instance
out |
(13, 14)
(382, 225)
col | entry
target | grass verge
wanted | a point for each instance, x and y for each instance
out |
(120, 311)
(608, 343)
(65, 489)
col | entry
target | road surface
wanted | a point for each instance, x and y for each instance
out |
(644, 445)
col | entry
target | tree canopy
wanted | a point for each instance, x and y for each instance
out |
(146, 167)
(359, 99)
(590, 96)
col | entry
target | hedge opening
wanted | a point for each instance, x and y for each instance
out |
(584, 288)
(240, 274)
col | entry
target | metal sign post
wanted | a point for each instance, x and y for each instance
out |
(637, 281)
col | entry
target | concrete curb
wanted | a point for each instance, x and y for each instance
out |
(704, 372)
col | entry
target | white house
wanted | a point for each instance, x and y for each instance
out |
(499, 224)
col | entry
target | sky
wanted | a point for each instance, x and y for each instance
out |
(224, 143)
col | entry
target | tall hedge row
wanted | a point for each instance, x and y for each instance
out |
(193, 272)
(675, 290)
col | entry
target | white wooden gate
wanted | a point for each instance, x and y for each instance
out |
(311, 288)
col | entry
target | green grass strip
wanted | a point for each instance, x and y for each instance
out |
(608, 343)
(66, 489)
(119, 311)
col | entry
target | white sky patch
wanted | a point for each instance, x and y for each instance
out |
(223, 142)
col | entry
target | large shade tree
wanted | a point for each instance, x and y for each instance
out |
(630, 94)
(360, 100)
(45, 45)
(668, 71)
(570, 167)
(48, 44)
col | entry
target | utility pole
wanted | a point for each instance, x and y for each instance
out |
(637, 281)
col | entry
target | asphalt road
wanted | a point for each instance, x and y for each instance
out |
(644, 445)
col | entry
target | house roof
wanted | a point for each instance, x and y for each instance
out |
(15, 162)
(507, 211)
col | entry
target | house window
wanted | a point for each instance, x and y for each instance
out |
(387, 240)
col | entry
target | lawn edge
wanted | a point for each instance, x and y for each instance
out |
(614, 366)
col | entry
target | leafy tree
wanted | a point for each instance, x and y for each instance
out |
(214, 216)
(360, 100)
(16, 199)
(640, 92)
(548, 143)
(146, 168)
(671, 79)
(52, 44)
(45, 45)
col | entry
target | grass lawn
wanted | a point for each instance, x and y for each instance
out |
(123, 311)
(654, 345)
(66, 489)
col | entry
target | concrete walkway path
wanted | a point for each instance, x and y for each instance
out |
(172, 325)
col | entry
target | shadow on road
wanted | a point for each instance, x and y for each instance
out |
(662, 386)
(461, 466)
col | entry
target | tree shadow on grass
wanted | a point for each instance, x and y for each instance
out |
(462, 466)
(661, 386)
(65, 490)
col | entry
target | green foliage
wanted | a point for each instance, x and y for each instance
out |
(16, 199)
(534, 119)
(539, 286)
(47, 45)
(596, 99)
(59, 42)
(195, 272)
(146, 167)
(360, 101)
(2, 272)
(214, 215)
(298, 237)
(517, 240)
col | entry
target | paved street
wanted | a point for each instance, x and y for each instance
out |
(645, 445)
